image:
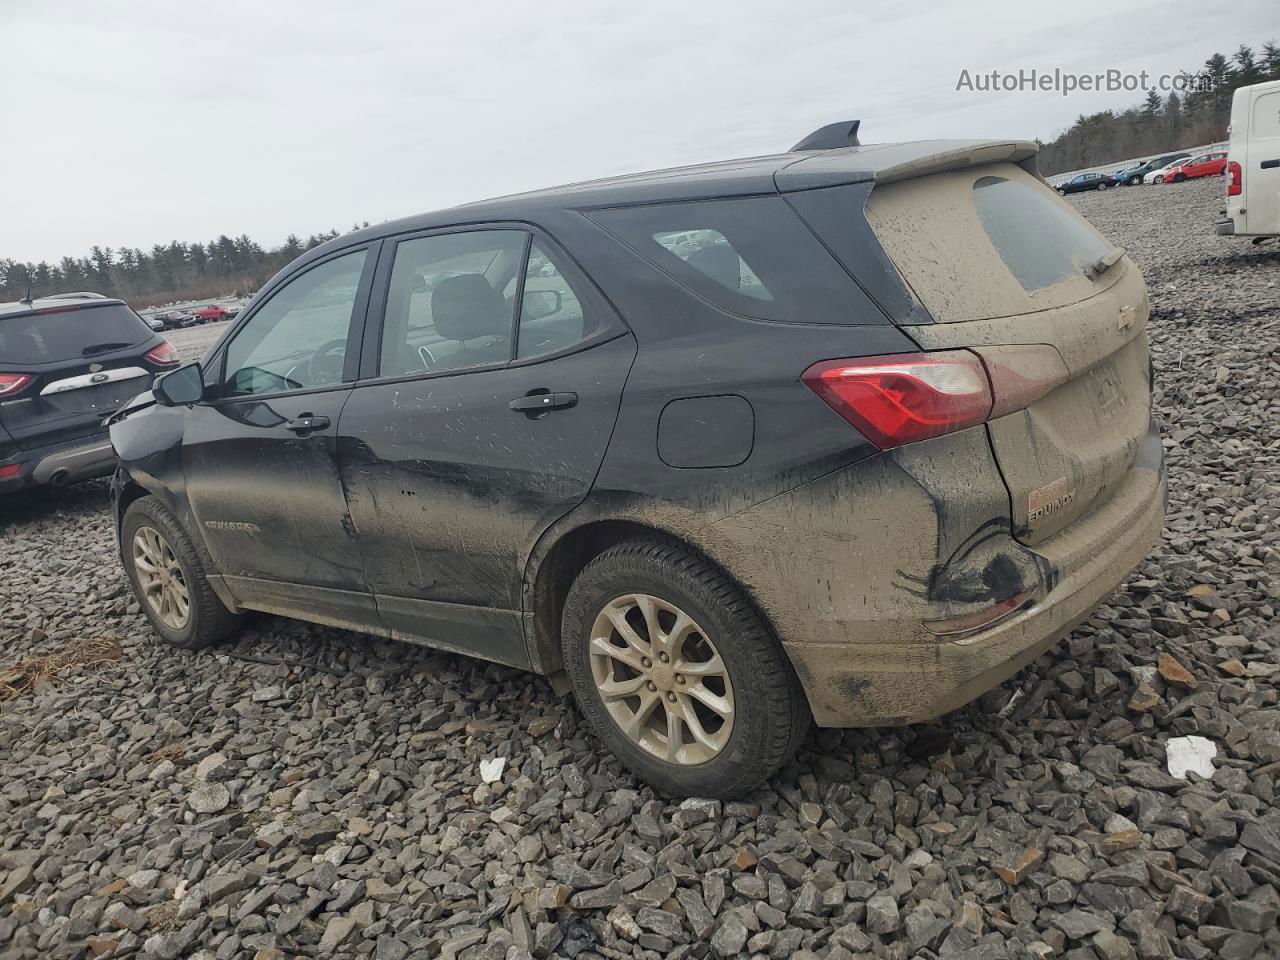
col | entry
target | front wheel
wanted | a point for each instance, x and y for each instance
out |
(1179, 177)
(1102, 186)
(677, 673)
(167, 573)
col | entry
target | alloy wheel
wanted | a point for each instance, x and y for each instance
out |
(160, 578)
(661, 679)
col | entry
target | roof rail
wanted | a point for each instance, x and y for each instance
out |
(77, 295)
(831, 137)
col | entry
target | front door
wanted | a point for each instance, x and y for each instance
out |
(259, 456)
(483, 426)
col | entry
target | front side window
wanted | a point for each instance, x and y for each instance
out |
(451, 302)
(298, 338)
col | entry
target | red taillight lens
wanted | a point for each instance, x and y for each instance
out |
(165, 355)
(9, 470)
(903, 398)
(1236, 173)
(11, 383)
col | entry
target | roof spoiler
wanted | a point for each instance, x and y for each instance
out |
(831, 137)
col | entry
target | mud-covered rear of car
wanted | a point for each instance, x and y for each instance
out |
(1020, 475)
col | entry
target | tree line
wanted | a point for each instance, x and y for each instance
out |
(1197, 116)
(164, 274)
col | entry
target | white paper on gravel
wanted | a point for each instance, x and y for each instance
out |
(491, 770)
(1190, 755)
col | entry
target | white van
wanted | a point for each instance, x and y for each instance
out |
(1253, 165)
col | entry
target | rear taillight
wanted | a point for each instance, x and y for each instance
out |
(9, 470)
(165, 355)
(907, 397)
(11, 383)
(1236, 184)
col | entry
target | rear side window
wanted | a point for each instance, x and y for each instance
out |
(986, 241)
(750, 256)
(70, 334)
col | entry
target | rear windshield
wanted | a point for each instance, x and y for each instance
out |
(751, 256)
(988, 241)
(70, 334)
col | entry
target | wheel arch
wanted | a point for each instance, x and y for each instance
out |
(561, 557)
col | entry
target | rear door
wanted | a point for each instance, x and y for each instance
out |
(1008, 269)
(83, 360)
(1261, 163)
(492, 394)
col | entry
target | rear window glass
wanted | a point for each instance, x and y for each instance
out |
(70, 334)
(749, 256)
(1040, 242)
(987, 241)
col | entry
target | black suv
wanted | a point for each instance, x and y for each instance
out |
(67, 362)
(846, 434)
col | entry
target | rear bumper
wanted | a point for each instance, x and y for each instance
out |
(1225, 228)
(854, 684)
(65, 463)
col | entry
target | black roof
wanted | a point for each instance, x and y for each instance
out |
(802, 170)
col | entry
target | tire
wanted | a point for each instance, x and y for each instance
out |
(1103, 185)
(768, 713)
(207, 620)
(1062, 193)
(1179, 177)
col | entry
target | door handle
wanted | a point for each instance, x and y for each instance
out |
(537, 402)
(306, 423)
(1270, 164)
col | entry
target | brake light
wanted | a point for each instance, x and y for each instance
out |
(11, 383)
(9, 470)
(899, 399)
(1236, 186)
(165, 355)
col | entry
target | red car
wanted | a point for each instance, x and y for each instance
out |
(212, 312)
(1205, 165)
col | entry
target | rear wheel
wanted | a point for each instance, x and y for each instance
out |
(167, 573)
(677, 673)
(1102, 185)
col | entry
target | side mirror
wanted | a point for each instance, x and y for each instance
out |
(541, 303)
(182, 386)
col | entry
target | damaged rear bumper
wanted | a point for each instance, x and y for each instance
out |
(853, 684)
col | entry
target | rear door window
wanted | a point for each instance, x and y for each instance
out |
(70, 334)
(750, 256)
(986, 241)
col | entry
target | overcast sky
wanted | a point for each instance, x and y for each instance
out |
(132, 122)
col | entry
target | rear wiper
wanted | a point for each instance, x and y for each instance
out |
(1104, 263)
(93, 348)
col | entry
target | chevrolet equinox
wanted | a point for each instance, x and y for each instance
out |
(847, 435)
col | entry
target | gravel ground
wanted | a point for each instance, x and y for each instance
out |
(329, 801)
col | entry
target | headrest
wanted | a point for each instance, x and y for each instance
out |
(466, 306)
(719, 262)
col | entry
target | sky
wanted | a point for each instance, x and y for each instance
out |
(134, 122)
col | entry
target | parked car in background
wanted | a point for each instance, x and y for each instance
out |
(771, 494)
(1158, 175)
(66, 362)
(1134, 175)
(1253, 164)
(154, 322)
(1085, 181)
(1205, 165)
(212, 312)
